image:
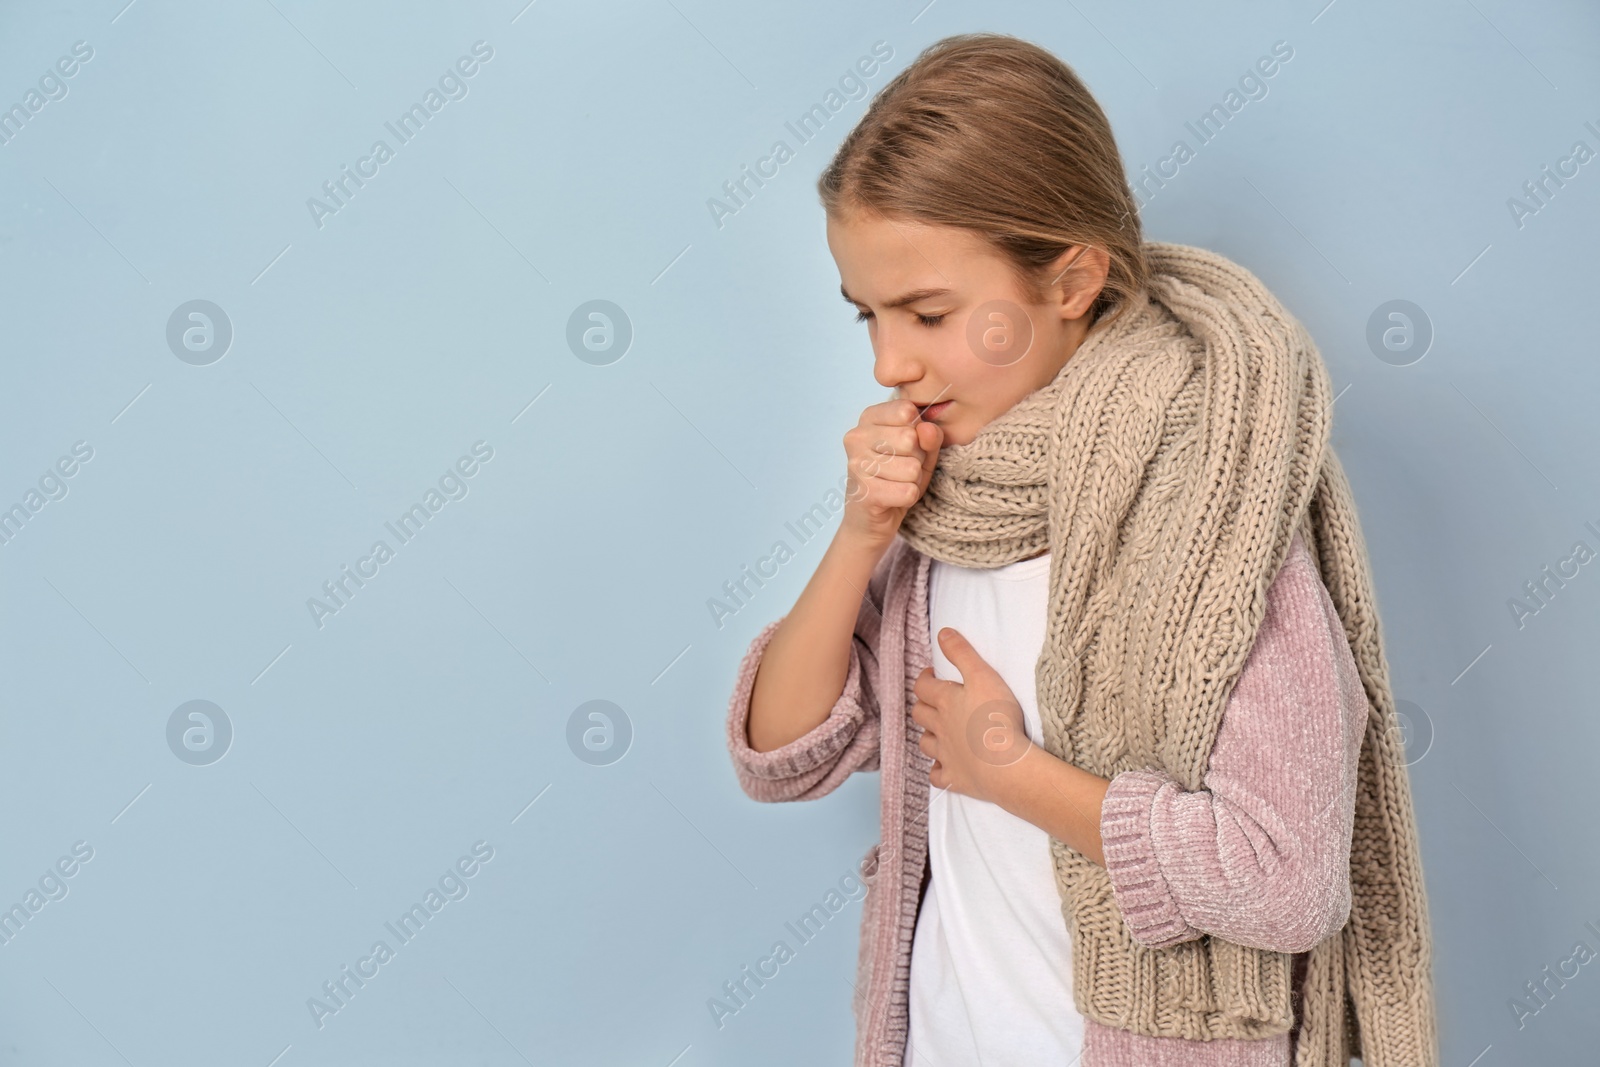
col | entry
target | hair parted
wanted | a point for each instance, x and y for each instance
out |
(994, 134)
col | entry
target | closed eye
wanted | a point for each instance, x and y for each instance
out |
(929, 321)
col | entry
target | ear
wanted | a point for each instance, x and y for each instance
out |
(1076, 277)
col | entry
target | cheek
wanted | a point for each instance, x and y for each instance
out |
(968, 379)
(985, 396)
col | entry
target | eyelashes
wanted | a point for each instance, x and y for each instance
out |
(929, 321)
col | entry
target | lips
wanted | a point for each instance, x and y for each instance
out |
(932, 411)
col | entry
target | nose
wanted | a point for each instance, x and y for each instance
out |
(894, 364)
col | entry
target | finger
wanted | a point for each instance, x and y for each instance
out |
(929, 440)
(890, 439)
(871, 440)
(891, 468)
(896, 411)
(935, 692)
(961, 653)
(890, 494)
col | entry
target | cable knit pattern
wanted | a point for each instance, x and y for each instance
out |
(1166, 468)
(1281, 737)
(1261, 855)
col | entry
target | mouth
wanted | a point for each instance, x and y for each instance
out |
(930, 412)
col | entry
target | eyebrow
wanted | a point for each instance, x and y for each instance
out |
(899, 301)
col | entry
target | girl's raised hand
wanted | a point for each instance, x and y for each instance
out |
(891, 454)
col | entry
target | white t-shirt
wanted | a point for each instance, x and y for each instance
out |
(991, 961)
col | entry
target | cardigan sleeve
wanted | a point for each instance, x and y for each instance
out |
(816, 763)
(1261, 855)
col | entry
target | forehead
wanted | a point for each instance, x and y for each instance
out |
(881, 258)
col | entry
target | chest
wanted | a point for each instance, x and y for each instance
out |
(1001, 611)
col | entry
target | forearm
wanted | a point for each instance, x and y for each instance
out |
(1059, 798)
(803, 671)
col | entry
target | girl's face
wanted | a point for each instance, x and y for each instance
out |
(950, 323)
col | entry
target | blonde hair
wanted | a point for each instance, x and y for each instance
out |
(994, 134)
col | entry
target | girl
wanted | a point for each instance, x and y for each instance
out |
(1143, 799)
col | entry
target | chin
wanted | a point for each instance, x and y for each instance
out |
(955, 436)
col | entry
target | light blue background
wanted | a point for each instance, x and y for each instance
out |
(370, 353)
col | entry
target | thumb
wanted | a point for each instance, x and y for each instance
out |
(961, 653)
(929, 441)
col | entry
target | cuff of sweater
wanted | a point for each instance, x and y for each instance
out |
(821, 743)
(1142, 892)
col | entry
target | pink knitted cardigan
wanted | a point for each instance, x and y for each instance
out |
(1260, 856)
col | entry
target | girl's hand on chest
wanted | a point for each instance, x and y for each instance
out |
(973, 729)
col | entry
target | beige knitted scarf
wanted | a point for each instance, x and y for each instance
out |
(1167, 468)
